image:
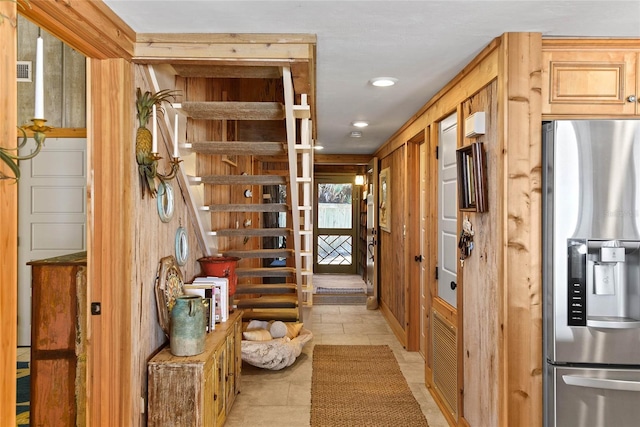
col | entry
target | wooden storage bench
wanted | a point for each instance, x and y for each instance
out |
(197, 390)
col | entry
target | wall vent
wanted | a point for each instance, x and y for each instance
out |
(445, 362)
(24, 71)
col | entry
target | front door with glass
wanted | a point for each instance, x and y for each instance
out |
(335, 226)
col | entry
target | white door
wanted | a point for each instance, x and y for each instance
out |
(447, 211)
(51, 213)
(424, 279)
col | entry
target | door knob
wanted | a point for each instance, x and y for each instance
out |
(631, 98)
(418, 258)
(453, 285)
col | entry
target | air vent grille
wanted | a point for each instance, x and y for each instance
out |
(24, 71)
(445, 361)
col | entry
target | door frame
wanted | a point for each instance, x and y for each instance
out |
(338, 178)
(107, 42)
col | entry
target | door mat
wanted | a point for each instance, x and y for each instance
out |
(360, 385)
(321, 290)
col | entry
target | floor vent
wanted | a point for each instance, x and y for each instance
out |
(445, 363)
(24, 71)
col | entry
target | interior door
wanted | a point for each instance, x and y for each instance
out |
(447, 211)
(51, 212)
(424, 235)
(335, 225)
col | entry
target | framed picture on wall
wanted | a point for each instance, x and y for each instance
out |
(384, 217)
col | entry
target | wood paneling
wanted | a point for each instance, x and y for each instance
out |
(393, 285)
(64, 80)
(479, 325)
(8, 218)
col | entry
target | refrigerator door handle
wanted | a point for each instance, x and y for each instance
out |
(612, 324)
(622, 385)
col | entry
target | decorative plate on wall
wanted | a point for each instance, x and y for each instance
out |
(182, 246)
(169, 285)
(165, 201)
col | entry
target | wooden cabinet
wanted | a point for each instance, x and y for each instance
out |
(58, 340)
(197, 390)
(590, 80)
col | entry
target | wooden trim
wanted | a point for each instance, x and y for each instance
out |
(63, 133)
(266, 51)
(227, 38)
(582, 44)
(396, 327)
(90, 27)
(8, 218)
(110, 241)
(342, 159)
(446, 311)
(519, 246)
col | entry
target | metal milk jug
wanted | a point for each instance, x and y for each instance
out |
(187, 330)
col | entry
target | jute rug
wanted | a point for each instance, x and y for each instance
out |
(360, 385)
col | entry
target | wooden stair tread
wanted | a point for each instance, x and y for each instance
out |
(248, 207)
(254, 232)
(260, 253)
(283, 314)
(241, 148)
(265, 272)
(243, 179)
(269, 301)
(266, 288)
(234, 110)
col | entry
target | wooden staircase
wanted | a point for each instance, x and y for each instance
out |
(265, 292)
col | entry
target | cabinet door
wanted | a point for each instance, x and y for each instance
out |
(238, 356)
(221, 369)
(230, 385)
(209, 404)
(589, 82)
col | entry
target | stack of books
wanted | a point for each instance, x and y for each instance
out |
(215, 293)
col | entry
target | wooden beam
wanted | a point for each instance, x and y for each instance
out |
(227, 38)
(229, 71)
(234, 110)
(8, 217)
(520, 115)
(87, 26)
(341, 159)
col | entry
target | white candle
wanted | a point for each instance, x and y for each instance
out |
(175, 137)
(39, 101)
(154, 139)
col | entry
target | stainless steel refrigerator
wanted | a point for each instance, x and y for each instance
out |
(591, 273)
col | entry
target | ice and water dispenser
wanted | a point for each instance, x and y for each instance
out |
(604, 283)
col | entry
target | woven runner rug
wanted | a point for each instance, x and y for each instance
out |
(360, 385)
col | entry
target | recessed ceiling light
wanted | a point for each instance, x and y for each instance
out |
(356, 134)
(383, 81)
(360, 124)
(318, 147)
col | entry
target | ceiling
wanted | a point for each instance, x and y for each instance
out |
(423, 44)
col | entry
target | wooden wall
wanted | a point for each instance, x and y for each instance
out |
(64, 80)
(480, 326)
(498, 314)
(391, 281)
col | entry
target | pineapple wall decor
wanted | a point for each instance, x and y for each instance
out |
(146, 149)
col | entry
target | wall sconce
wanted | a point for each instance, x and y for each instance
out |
(147, 105)
(38, 127)
(359, 179)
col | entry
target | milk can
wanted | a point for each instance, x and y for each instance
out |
(187, 332)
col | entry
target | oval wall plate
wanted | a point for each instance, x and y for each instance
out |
(165, 201)
(182, 246)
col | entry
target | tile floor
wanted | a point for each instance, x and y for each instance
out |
(283, 398)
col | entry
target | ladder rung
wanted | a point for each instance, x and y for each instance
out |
(195, 180)
(303, 179)
(303, 147)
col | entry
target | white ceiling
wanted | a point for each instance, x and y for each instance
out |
(421, 43)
